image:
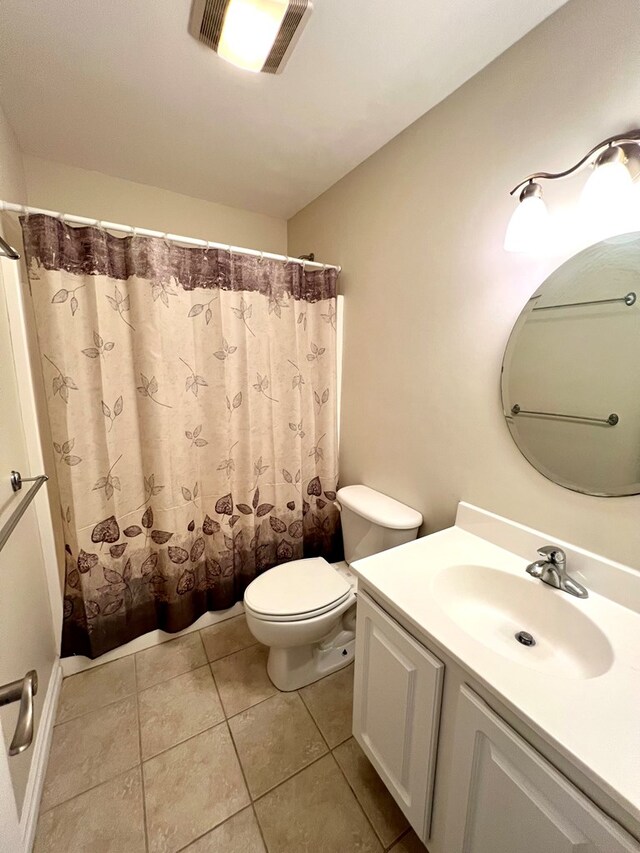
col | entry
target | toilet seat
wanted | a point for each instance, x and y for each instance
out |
(296, 591)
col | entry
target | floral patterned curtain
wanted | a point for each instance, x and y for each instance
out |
(192, 401)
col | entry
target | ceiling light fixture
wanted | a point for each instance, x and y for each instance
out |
(256, 35)
(608, 202)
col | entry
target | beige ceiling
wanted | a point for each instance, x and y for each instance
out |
(120, 86)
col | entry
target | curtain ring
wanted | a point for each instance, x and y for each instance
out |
(67, 236)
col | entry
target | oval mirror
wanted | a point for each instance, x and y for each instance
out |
(571, 372)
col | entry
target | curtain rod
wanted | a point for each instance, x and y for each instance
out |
(10, 207)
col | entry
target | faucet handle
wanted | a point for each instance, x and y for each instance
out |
(554, 554)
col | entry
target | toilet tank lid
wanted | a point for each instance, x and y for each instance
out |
(379, 508)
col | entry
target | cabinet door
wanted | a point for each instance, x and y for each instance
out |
(396, 709)
(505, 798)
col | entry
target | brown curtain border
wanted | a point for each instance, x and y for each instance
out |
(87, 250)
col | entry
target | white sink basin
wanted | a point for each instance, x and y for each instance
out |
(493, 605)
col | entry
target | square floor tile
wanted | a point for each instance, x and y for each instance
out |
(239, 834)
(242, 679)
(96, 687)
(378, 804)
(227, 637)
(106, 819)
(168, 659)
(315, 811)
(410, 843)
(91, 749)
(274, 740)
(192, 788)
(330, 701)
(177, 709)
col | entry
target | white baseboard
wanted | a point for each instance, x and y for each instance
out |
(41, 746)
(72, 665)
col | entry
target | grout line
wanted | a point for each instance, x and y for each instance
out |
(355, 796)
(250, 707)
(173, 677)
(217, 625)
(217, 826)
(208, 728)
(398, 840)
(293, 775)
(235, 749)
(90, 788)
(242, 808)
(255, 815)
(313, 717)
(199, 633)
(229, 654)
(236, 652)
(181, 742)
(93, 710)
(361, 804)
(286, 778)
(144, 796)
(300, 769)
(315, 722)
(249, 804)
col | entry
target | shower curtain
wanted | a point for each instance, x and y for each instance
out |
(192, 401)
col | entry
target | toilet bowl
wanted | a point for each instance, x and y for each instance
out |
(304, 610)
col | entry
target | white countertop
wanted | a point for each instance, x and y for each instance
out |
(593, 722)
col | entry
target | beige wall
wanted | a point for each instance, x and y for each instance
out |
(54, 186)
(13, 185)
(430, 294)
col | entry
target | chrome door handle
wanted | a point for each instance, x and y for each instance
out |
(24, 689)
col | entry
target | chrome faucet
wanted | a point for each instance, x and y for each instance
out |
(552, 569)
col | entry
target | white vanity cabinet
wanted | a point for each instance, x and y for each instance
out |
(489, 791)
(396, 709)
(504, 796)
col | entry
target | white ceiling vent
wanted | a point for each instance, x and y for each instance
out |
(257, 35)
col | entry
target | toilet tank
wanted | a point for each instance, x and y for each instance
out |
(373, 522)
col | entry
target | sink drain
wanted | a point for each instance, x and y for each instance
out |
(525, 638)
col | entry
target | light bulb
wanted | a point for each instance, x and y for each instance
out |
(249, 30)
(528, 229)
(607, 203)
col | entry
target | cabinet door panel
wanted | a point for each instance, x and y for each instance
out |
(506, 798)
(397, 695)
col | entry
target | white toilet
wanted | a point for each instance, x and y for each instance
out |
(305, 610)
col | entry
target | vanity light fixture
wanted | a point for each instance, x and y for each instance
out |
(256, 35)
(528, 227)
(608, 196)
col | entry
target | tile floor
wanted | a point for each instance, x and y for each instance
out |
(189, 747)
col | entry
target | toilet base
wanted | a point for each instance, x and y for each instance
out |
(292, 668)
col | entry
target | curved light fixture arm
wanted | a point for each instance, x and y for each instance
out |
(620, 139)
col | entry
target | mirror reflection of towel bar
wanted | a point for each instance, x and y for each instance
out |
(611, 420)
(629, 299)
